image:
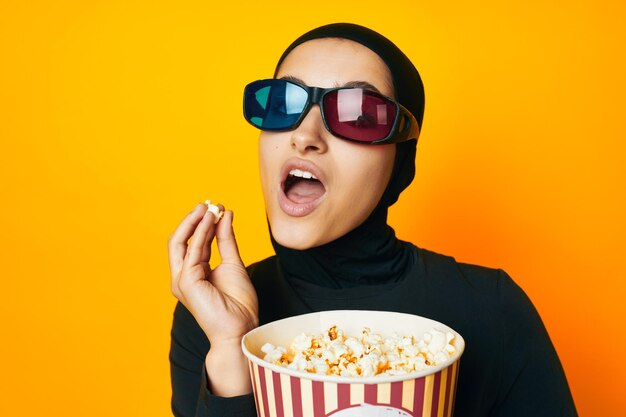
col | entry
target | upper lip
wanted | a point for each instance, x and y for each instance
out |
(302, 165)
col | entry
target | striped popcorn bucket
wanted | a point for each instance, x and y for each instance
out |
(282, 392)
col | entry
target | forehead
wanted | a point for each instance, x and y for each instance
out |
(333, 62)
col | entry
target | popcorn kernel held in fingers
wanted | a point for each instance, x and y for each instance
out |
(215, 210)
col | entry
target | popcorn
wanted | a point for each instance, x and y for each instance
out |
(273, 353)
(332, 353)
(215, 210)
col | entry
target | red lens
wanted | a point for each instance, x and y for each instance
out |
(359, 114)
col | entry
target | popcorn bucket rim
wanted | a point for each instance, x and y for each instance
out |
(459, 343)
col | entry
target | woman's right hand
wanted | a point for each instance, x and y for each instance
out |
(222, 300)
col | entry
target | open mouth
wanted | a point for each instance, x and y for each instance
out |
(302, 187)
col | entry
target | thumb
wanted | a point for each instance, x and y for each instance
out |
(226, 243)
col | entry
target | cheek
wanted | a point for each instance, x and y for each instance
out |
(362, 194)
(263, 167)
(372, 170)
(366, 179)
(267, 161)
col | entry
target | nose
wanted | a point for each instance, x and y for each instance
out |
(310, 136)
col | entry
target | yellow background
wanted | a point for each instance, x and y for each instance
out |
(117, 117)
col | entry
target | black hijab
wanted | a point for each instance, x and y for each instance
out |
(370, 253)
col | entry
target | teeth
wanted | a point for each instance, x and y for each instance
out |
(302, 174)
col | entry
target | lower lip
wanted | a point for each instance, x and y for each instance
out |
(296, 209)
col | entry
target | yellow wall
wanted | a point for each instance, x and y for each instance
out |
(116, 117)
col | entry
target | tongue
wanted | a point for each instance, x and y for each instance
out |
(304, 191)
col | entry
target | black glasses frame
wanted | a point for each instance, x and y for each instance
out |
(405, 126)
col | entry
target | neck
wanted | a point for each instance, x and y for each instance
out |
(369, 254)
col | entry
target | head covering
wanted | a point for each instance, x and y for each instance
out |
(407, 84)
(370, 253)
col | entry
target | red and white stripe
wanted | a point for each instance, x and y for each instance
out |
(281, 395)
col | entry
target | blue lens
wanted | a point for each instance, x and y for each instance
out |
(274, 104)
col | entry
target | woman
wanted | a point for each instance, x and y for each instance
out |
(329, 173)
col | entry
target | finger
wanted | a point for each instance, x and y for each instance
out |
(177, 243)
(201, 237)
(206, 251)
(194, 269)
(226, 243)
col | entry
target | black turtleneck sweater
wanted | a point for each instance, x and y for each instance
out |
(509, 367)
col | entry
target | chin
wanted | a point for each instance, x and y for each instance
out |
(296, 236)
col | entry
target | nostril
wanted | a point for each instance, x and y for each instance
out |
(302, 141)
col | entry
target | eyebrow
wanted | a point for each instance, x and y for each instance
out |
(354, 84)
